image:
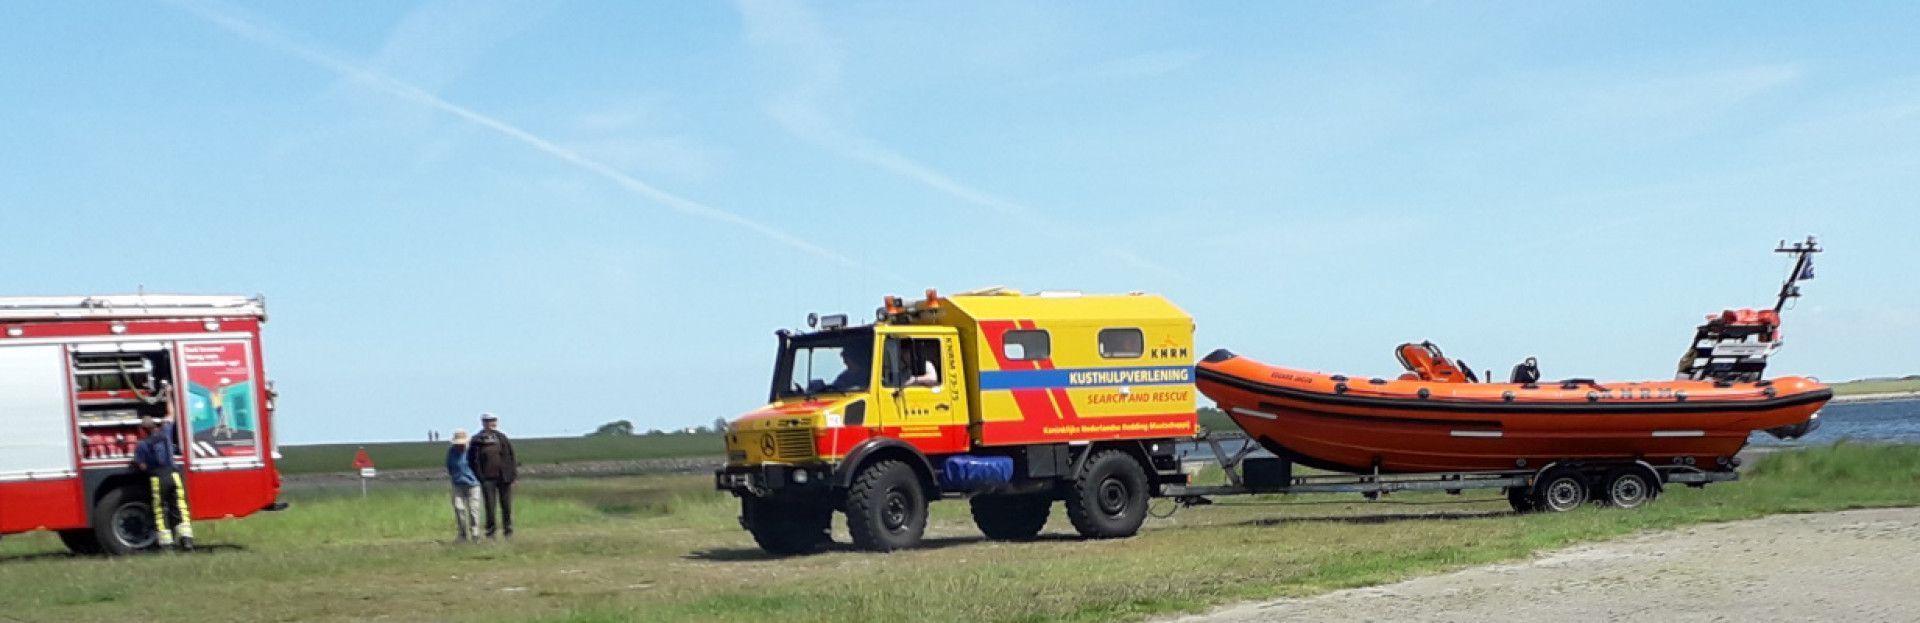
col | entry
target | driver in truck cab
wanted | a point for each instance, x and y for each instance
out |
(857, 374)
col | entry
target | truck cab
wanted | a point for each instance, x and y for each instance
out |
(992, 395)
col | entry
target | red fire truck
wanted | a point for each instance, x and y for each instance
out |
(77, 376)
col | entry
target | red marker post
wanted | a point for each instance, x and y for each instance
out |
(363, 463)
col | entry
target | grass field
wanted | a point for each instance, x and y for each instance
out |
(1877, 386)
(532, 451)
(666, 548)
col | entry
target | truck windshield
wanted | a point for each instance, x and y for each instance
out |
(823, 363)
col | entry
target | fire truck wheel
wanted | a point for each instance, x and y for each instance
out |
(787, 527)
(1011, 517)
(123, 522)
(886, 509)
(1109, 499)
(81, 541)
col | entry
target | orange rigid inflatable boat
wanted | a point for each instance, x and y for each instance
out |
(1334, 422)
(1438, 417)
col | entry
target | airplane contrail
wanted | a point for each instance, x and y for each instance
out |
(338, 64)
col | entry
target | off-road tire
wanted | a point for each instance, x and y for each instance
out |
(1520, 499)
(1011, 517)
(787, 527)
(1628, 487)
(1560, 489)
(1108, 499)
(886, 507)
(123, 522)
(81, 541)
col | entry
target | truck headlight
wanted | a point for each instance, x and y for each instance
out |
(799, 476)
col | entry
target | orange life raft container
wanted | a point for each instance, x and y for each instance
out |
(1433, 420)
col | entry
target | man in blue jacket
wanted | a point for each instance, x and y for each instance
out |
(154, 456)
(466, 490)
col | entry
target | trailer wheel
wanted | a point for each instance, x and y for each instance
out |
(1011, 517)
(787, 527)
(1560, 490)
(123, 522)
(1109, 499)
(1520, 500)
(1629, 487)
(886, 508)
(81, 541)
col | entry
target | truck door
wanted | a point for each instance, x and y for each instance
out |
(921, 392)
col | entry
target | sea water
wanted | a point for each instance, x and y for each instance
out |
(1887, 421)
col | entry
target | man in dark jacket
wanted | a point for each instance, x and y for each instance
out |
(491, 455)
(154, 456)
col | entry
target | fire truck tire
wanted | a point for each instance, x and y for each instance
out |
(787, 528)
(1011, 517)
(1109, 498)
(886, 508)
(81, 541)
(123, 522)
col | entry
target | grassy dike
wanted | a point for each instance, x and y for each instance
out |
(665, 548)
(328, 458)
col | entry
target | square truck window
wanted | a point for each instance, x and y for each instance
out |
(1027, 345)
(1122, 343)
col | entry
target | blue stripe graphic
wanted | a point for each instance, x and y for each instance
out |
(992, 380)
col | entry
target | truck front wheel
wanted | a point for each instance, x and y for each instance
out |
(886, 508)
(787, 527)
(123, 522)
(1109, 498)
(81, 541)
(1011, 517)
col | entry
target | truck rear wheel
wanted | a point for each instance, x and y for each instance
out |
(1011, 517)
(81, 541)
(123, 522)
(787, 527)
(1109, 498)
(886, 508)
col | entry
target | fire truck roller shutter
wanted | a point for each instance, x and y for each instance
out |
(38, 439)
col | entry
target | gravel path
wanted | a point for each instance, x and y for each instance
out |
(1846, 566)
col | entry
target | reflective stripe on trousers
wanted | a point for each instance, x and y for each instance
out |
(160, 511)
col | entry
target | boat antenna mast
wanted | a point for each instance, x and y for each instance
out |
(1802, 253)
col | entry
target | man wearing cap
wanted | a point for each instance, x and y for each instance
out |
(466, 489)
(154, 456)
(491, 454)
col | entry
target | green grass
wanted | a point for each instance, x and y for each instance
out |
(531, 451)
(1877, 386)
(667, 548)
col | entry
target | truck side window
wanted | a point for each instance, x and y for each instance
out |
(1122, 343)
(912, 362)
(1028, 345)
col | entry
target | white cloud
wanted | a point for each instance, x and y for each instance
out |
(788, 31)
(331, 61)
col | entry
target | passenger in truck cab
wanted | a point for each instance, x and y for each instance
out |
(154, 456)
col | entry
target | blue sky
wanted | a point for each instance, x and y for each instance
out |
(575, 212)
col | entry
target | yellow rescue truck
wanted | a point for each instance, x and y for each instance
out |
(1012, 401)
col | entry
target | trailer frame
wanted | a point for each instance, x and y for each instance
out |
(1376, 483)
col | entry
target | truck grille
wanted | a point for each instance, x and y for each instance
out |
(793, 443)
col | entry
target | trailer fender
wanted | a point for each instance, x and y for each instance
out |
(880, 448)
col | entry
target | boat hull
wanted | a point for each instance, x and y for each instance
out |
(1416, 426)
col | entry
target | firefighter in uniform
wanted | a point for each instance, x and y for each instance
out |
(154, 456)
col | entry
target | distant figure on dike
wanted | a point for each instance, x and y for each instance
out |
(491, 455)
(466, 489)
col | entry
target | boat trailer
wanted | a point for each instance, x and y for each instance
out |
(1556, 486)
